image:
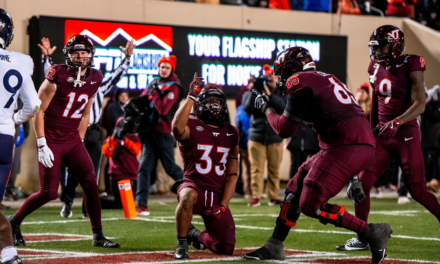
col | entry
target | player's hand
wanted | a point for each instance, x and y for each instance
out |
(45, 155)
(214, 213)
(376, 131)
(262, 102)
(45, 47)
(128, 51)
(355, 190)
(389, 129)
(196, 86)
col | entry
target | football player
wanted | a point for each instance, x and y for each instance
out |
(209, 149)
(347, 148)
(66, 97)
(16, 72)
(398, 99)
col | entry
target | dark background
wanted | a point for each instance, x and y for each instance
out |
(333, 49)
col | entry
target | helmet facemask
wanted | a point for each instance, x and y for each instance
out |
(211, 107)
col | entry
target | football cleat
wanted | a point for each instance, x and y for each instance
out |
(377, 236)
(273, 249)
(198, 245)
(354, 244)
(181, 250)
(14, 260)
(16, 232)
(66, 211)
(105, 243)
(86, 215)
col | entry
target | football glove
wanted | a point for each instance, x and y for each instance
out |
(119, 133)
(45, 155)
(194, 88)
(262, 102)
(389, 129)
(355, 190)
(154, 86)
(214, 212)
(376, 131)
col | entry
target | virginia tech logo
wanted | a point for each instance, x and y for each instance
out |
(394, 34)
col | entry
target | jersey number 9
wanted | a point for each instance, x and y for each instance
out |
(9, 87)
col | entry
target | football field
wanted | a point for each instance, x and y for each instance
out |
(56, 240)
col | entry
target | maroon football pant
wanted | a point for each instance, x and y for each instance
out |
(324, 175)
(77, 159)
(406, 144)
(219, 234)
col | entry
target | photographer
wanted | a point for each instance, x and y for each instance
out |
(264, 144)
(164, 95)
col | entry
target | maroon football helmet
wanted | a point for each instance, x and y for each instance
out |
(211, 105)
(386, 44)
(76, 43)
(289, 61)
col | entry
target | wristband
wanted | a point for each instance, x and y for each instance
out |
(41, 141)
(191, 97)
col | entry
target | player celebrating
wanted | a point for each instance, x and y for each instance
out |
(66, 96)
(16, 70)
(398, 99)
(347, 148)
(209, 149)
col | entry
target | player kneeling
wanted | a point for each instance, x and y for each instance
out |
(209, 149)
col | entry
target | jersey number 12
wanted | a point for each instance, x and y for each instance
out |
(77, 114)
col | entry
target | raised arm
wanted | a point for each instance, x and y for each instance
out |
(180, 121)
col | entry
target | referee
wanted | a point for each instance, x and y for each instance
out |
(92, 139)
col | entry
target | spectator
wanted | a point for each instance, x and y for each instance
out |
(116, 110)
(364, 98)
(158, 143)
(400, 8)
(302, 145)
(264, 144)
(430, 128)
(123, 164)
(243, 124)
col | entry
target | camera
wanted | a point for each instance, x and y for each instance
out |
(259, 82)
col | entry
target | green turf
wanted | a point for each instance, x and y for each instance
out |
(136, 235)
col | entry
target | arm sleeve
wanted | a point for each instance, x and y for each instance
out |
(277, 102)
(298, 104)
(417, 63)
(132, 146)
(374, 114)
(47, 63)
(111, 80)
(170, 97)
(31, 102)
(248, 102)
(283, 126)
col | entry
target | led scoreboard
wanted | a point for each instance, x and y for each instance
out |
(224, 57)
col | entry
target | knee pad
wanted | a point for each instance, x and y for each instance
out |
(326, 216)
(289, 210)
(225, 249)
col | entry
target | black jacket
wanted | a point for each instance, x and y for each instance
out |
(430, 126)
(304, 139)
(260, 130)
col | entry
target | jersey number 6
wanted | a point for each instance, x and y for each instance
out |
(8, 86)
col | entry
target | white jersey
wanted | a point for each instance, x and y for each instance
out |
(15, 81)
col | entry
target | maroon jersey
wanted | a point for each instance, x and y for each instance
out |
(334, 112)
(392, 87)
(63, 115)
(206, 154)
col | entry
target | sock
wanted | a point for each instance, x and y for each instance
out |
(8, 253)
(281, 230)
(182, 239)
(97, 233)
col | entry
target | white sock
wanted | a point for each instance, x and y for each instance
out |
(8, 253)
